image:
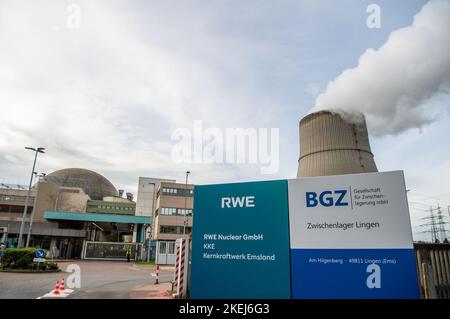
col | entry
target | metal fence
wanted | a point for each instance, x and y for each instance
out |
(110, 251)
(433, 267)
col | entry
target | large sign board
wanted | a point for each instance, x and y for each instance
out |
(351, 237)
(345, 236)
(241, 241)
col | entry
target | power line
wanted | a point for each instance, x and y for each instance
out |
(437, 224)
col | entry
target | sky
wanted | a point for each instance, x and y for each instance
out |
(103, 85)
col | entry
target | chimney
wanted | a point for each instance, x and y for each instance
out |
(130, 196)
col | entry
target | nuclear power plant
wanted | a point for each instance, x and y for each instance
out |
(330, 145)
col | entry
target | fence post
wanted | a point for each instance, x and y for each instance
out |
(425, 280)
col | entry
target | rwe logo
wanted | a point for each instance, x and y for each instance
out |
(242, 201)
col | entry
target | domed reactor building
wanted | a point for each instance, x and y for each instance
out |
(74, 210)
(93, 184)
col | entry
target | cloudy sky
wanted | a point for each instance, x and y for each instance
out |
(107, 94)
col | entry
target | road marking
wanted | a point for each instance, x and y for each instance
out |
(62, 294)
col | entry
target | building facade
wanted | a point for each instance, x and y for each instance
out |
(73, 207)
(70, 206)
(173, 218)
(146, 197)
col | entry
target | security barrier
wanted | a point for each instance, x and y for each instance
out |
(180, 282)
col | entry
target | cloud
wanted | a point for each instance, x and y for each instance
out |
(398, 85)
(108, 95)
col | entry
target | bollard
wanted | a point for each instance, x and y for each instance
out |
(157, 274)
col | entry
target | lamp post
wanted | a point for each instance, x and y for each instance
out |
(30, 228)
(150, 226)
(185, 204)
(22, 224)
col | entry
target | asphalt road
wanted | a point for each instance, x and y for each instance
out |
(99, 279)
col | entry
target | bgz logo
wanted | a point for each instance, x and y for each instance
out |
(326, 198)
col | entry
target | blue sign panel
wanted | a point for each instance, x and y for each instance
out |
(354, 273)
(241, 241)
(40, 254)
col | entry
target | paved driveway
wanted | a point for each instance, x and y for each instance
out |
(99, 279)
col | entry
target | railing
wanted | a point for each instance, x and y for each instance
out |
(433, 267)
(16, 198)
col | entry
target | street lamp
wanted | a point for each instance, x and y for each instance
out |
(22, 224)
(30, 228)
(185, 204)
(148, 240)
(153, 200)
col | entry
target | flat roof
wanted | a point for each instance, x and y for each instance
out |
(93, 217)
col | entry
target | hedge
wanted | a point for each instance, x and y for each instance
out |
(22, 258)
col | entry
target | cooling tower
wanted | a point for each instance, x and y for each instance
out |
(331, 146)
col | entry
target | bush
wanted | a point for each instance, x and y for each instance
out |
(22, 258)
(52, 266)
(41, 266)
(18, 258)
(25, 261)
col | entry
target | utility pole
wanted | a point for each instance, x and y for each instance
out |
(185, 203)
(441, 225)
(436, 224)
(22, 224)
(151, 224)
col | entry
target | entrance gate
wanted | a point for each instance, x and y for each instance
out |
(110, 251)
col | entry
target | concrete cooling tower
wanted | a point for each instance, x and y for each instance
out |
(331, 146)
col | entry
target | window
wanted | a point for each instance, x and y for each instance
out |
(171, 211)
(178, 192)
(162, 247)
(171, 247)
(171, 229)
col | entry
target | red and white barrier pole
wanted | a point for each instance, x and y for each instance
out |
(177, 266)
(181, 271)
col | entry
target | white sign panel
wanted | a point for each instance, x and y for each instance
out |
(351, 237)
(350, 211)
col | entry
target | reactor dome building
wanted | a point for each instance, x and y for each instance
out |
(92, 183)
(330, 145)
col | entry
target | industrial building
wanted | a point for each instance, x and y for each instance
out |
(173, 215)
(170, 205)
(71, 206)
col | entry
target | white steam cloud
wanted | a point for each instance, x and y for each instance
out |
(405, 83)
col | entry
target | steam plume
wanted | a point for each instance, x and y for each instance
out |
(402, 84)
